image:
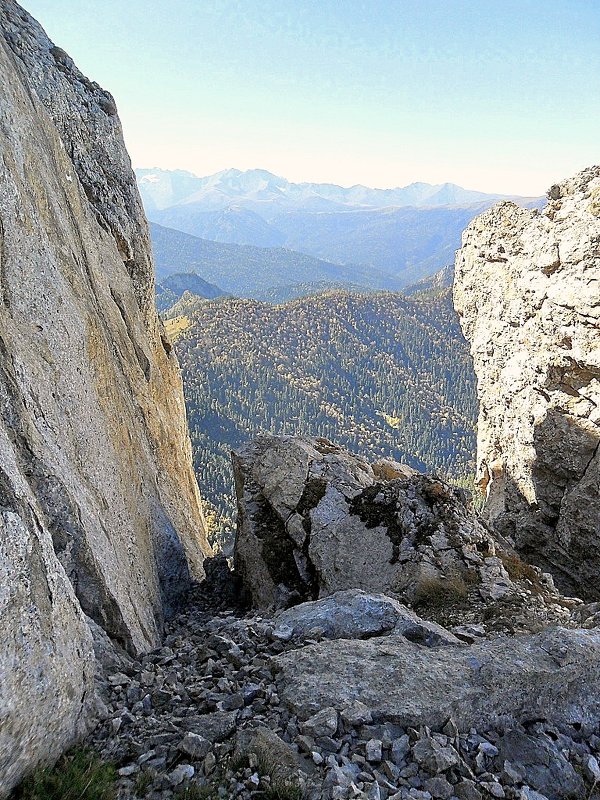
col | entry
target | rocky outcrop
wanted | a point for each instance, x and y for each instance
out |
(527, 289)
(314, 520)
(354, 614)
(98, 500)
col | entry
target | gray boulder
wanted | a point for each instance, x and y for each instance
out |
(541, 764)
(354, 614)
(553, 675)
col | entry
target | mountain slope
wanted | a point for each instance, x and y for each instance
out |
(408, 243)
(379, 373)
(294, 291)
(243, 270)
(234, 225)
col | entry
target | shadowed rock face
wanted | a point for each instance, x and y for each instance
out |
(527, 289)
(98, 502)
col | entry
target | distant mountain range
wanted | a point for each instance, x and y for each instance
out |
(268, 194)
(393, 237)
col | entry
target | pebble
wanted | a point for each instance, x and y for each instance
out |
(283, 633)
(591, 769)
(439, 787)
(374, 750)
(181, 773)
(130, 769)
(195, 746)
(494, 789)
(357, 714)
(323, 723)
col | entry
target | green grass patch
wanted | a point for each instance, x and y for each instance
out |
(142, 784)
(78, 775)
(195, 792)
(282, 791)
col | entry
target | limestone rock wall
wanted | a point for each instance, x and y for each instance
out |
(99, 506)
(527, 289)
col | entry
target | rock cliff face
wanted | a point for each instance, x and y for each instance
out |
(527, 289)
(98, 501)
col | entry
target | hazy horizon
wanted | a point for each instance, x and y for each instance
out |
(499, 98)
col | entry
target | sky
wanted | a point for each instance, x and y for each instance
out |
(496, 95)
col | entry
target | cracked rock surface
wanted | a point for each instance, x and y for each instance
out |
(99, 507)
(527, 289)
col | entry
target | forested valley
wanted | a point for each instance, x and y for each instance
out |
(381, 374)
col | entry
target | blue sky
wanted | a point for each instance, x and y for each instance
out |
(496, 95)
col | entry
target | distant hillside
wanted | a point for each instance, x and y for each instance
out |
(408, 243)
(234, 225)
(283, 294)
(171, 288)
(407, 233)
(244, 270)
(432, 284)
(381, 374)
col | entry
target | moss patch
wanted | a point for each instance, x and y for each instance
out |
(382, 513)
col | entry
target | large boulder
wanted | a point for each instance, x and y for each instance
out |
(99, 506)
(553, 675)
(527, 289)
(314, 520)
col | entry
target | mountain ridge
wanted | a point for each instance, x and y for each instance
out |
(408, 233)
(247, 269)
